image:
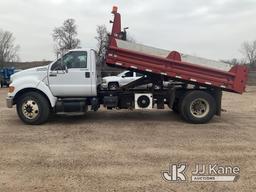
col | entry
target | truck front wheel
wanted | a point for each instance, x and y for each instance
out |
(197, 107)
(33, 108)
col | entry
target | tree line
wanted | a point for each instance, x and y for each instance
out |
(8, 48)
(65, 38)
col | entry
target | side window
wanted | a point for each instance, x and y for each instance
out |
(57, 65)
(77, 59)
(128, 74)
(139, 75)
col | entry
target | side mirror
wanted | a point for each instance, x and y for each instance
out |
(66, 68)
(123, 76)
(63, 68)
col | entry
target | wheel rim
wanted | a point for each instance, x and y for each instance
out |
(199, 108)
(113, 86)
(30, 109)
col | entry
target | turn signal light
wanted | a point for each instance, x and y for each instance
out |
(11, 89)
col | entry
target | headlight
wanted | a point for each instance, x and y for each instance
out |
(104, 81)
(11, 89)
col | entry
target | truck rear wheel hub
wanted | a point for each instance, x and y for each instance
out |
(199, 108)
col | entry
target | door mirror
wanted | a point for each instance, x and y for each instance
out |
(123, 76)
(65, 68)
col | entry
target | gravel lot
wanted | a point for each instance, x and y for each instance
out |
(126, 151)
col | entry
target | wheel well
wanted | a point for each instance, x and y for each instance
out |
(113, 82)
(26, 90)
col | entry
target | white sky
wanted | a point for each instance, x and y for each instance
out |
(208, 28)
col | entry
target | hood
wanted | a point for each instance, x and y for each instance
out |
(111, 77)
(108, 77)
(35, 71)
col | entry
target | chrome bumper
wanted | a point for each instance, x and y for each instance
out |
(9, 102)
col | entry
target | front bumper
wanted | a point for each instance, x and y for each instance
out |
(9, 102)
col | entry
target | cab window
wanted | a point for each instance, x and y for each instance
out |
(128, 74)
(77, 59)
(139, 75)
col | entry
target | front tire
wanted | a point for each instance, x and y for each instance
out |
(197, 107)
(33, 108)
(113, 86)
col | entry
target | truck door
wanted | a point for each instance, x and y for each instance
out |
(71, 75)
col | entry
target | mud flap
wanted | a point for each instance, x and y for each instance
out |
(218, 97)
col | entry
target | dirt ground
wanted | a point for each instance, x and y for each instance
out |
(126, 151)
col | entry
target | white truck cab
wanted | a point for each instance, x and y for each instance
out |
(73, 75)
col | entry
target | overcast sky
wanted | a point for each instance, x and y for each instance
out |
(208, 28)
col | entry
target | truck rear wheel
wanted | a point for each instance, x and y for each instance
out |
(197, 107)
(33, 108)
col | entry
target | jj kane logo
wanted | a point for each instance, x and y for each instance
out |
(176, 172)
(202, 173)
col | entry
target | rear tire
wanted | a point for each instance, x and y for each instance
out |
(33, 108)
(197, 107)
(113, 86)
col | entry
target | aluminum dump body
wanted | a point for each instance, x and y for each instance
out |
(173, 64)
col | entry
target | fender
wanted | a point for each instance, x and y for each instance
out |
(46, 90)
(31, 82)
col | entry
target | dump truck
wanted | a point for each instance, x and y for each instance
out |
(72, 83)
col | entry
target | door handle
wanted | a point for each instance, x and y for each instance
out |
(87, 74)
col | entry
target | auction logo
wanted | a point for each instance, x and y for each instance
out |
(176, 172)
(202, 173)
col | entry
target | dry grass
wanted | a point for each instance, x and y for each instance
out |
(125, 151)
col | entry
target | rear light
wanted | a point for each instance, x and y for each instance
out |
(11, 89)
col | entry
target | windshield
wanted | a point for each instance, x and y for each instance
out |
(122, 74)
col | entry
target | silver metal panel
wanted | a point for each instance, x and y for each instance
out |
(164, 53)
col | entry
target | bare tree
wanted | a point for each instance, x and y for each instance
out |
(65, 36)
(249, 51)
(102, 38)
(8, 49)
(233, 61)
